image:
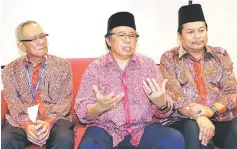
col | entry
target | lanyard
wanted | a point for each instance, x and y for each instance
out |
(39, 80)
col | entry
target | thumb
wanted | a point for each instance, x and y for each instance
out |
(97, 91)
(164, 83)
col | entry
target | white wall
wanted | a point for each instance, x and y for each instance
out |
(77, 27)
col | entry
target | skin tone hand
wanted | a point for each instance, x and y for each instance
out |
(155, 92)
(206, 129)
(32, 136)
(43, 130)
(103, 104)
(197, 110)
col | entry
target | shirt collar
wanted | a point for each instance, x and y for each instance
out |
(109, 60)
(42, 61)
(183, 53)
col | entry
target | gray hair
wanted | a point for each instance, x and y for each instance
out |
(108, 36)
(20, 27)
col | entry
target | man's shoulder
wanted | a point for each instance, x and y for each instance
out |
(217, 50)
(170, 53)
(55, 60)
(143, 58)
(13, 64)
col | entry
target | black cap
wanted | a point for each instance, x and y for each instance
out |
(190, 13)
(121, 19)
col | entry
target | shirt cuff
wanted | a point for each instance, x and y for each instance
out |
(81, 112)
(168, 113)
(51, 121)
(26, 124)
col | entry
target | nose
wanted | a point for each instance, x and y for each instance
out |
(197, 35)
(40, 41)
(127, 37)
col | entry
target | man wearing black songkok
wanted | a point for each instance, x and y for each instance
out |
(202, 84)
(121, 92)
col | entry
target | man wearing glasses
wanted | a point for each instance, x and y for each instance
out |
(37, 81)
(121, 92)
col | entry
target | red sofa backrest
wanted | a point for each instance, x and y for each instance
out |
(79, 66)
(3, 107)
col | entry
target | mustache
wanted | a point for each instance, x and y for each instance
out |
(198, 41)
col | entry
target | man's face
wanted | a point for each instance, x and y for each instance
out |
(123, 42)
(38, 47)
(194, 36)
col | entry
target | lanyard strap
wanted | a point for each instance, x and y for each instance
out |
(39, 80)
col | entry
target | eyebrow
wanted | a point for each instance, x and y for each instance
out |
(190, 29)
(131, 32)
(36, 35)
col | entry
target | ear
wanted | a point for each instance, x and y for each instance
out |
(108, 41)
(21, 46)
(179, 36)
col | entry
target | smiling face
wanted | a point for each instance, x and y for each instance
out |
(193, 36)
(33, 41)
(122, 42)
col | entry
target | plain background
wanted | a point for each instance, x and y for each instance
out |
(76, 28)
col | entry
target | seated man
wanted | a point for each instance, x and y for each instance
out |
(202, 84)
(121, 92)
(37, 80)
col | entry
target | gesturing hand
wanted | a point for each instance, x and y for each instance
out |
(155, 92)
(108, 102)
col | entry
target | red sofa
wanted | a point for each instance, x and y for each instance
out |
(78, 67)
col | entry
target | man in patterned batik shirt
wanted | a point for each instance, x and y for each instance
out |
(202, 84)
(120, 93)
(37, 80)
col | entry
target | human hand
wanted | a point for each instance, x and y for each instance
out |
(32, 136)
(108, 102)
(155, 92)
(197, 110)
(206, 129)
(43, 130)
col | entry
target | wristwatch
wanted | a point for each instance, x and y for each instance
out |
(214, 110)
(163, 108)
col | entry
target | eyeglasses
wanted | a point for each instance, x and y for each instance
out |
(123, 36)
(42, 36)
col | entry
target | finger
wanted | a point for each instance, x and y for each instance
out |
(150, 84)
(157, 86)
(115, 99)
(44, 140)
(146, 87)
(205, 136)
(97, 92)
(43, 137)
(200, 133)
(33, 135)
(43, 130)
(108, 97)
(39, 126)
(205, 141)
(164, 84)
(33, 141)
